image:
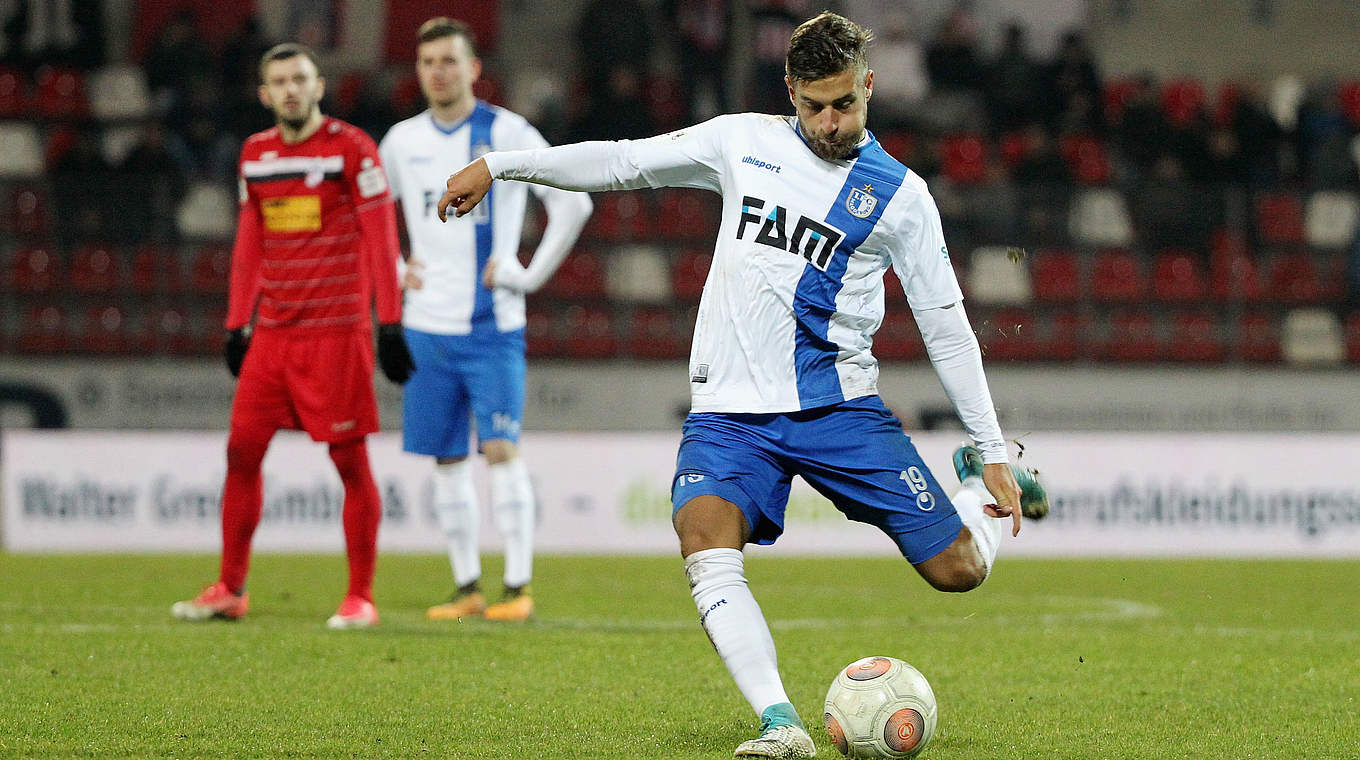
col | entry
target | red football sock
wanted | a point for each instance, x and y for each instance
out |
(242, 498)
(363, 511)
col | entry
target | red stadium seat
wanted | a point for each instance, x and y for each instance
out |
(899, 145)
(1293, 278)
(1279, 218)
(155, 269)
(165, 330)
(60, 141)
(1182, 101)
(690, 273)
(540, 339)
(489, 88)
(34, 270)
(1056, 275)
(964, 158)
(406, 99)
(1225, 107)
(1086, 157)
(1117, 277)
(1132, 337)
(686, 215)
(659, 333)
(211, 269)
(581, 277)
(349, 91)
(1350, 101)
(94, 269)
(1177, 277)
(61, 93)
(207, 330)
(619, 217)
(898, 338)
(1353, 338)
(44, 330)
(1117, 94)
(1258, 338)
(1233, 276)
(1009, 334)
(1195, 338)
(15, 101)
(665, 102)
(588, 333)
(1014, 147)
(1066, 337)
(28, 210)
(105, 330)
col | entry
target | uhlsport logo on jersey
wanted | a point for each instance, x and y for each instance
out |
(861, 203)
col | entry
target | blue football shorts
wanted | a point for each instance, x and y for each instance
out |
(854, 453)
(459, 378)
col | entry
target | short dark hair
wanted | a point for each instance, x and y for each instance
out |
(440, 27)
(286, 50)
(826, 46)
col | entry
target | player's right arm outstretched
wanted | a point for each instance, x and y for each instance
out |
(689, 157)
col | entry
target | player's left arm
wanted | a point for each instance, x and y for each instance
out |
(567, 215)
(921, 259)
(379, 251)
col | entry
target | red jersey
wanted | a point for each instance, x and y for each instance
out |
(317, 237)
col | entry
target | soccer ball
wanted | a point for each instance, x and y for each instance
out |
(880, 707)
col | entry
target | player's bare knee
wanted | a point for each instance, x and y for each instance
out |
(958, 577)
(499, 450)
(708, 522)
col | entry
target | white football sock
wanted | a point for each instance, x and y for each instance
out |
(512, 495)
(734, 623)
(968, 501)
(455, 504)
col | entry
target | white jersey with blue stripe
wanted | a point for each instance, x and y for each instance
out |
(795, 292)
(419, 155)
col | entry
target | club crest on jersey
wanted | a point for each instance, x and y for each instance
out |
(861, 203)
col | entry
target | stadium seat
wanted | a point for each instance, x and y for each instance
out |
(1313, 337)
(1182, 101)
(1225, 105)
(105, 330)
(1195, 337)
(898, 338)
(28, 210)
(619, 217)
(1177, 277)
(1233, 275)
(658, 334)
(580, 278)
(348, 92)
(406, 99)
(690, 273)
(686, 215)
(1331, 219)
(60, 93)
(206, 329)
(1056, 276)
(637, 274)
(1258, 338)
(211, 269)
(1353, 338)
(588, 333)
(1116, 96)
(21, 151)
(155, 269)
(996, 275)
(1065, 337)
(1085, 156)
(60, 140)
(1100, 217)
(1132, 337)
(119, 92)
(1009, 334)
(1293, 278)
(34, 270)
(489, 88)
(94, 268)
(1014, 148)
(540, 339)
(898, 144)
(43, 331)
(1349, 94)
(963, 158)
(165, 331)
(665, 102)
(1279, 218)
(1117, 277)
(15, 100)
(208, 212)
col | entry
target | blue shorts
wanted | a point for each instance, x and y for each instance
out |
(459, 377)
(853, 453)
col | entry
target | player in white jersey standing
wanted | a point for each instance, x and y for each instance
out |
(782, 377)
(464, 312)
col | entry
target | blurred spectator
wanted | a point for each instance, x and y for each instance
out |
(772, 23)
(1073, 85)
(1323, 140)
(900, 79)
(63, 32)
(619, 111)
(150, 177)
(241, 54)
(83, 185)
(1258, 136)
(1352, 288)
(1172, 211)
(1014, 83)
(704, 29)
(198, 142)
(957, 78)
(613, 35)
(1142, 131)
(1043, 164)
(176, 58)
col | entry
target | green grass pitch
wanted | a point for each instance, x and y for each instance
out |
(1049, 659)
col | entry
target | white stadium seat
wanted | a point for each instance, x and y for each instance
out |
(21, 150)
(119, 92)
(1100, 217)
(994, 278)
(638, 274)
(208, 211)
(1330, 219)
(1313, 337)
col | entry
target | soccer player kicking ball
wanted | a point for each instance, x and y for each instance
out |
(315, 245)
(464, 313)
(783, 382)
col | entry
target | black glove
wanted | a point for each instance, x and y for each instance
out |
(393, 356)
(238, 341)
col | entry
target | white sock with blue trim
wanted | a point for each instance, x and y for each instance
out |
(968, 501)
(512, 497)
(455, 504)
(734, 623)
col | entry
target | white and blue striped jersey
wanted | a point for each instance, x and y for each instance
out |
(419, 154)
(795, 292)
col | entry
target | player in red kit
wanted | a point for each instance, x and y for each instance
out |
(316, 245)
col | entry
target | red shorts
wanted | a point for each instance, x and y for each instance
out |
(318, 381)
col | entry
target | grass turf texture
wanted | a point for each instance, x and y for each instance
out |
(1051, 659)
